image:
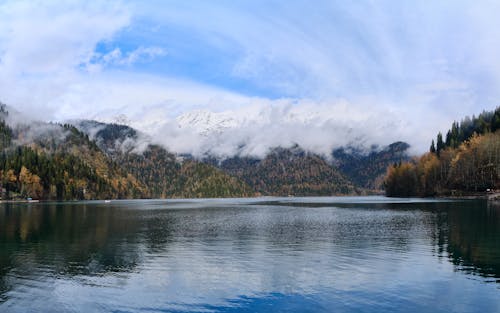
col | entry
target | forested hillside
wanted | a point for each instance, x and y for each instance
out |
(159, 170)
(52, 161)
(466, 161)
(367, 170)
(289, 172)
(284, 171)
(93, 160)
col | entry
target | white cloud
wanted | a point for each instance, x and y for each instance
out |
(117, 57)
(48, 37)
(368, 73)
(254, 129)
(43, 43)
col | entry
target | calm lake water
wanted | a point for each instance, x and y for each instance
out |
(359, 254)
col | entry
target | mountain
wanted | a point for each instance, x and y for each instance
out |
(52, 161)
(163, 172)
(93, 160)
(99, 161)
(283, 171)
(291, 171)
(220, 134)
(207, 123)
(367, 170)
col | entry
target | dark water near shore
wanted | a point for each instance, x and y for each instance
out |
(359, 254)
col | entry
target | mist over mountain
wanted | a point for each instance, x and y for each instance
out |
(280, 171)
(166, 174)
(134, 164)
(254, 132)
(58, 161)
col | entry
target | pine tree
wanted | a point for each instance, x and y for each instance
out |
(439, 144)
(433, 147)
(495, 120)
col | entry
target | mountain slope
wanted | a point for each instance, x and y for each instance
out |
(289, 172)
(368, 170)
(160, 170)
(52, 161)
(94, 160)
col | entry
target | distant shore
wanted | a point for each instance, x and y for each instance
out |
(490, 196)
(494, 196)
(19, 201)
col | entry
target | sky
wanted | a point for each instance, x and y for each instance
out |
(243, 76)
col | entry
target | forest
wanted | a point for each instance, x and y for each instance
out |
(466, 161)
(70, 170)
(46, 161)
(61, 162)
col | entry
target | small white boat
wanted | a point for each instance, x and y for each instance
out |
(107, 201)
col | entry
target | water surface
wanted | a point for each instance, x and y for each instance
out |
(349, 254)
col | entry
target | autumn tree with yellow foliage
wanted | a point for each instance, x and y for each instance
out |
(30, 184)
(474, 166)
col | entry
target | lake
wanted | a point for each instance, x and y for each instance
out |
(338, 254)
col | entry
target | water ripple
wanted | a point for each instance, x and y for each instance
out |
(251, 255)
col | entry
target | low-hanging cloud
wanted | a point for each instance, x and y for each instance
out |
(255, 130)
(27, 129)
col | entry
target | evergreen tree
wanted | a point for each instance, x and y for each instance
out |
(495, 120)
(439, 144)
(433, 147)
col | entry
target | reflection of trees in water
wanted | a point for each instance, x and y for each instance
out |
(89, 240)
(66, 239)
(159, 228)
(468, 232)
(472, 230)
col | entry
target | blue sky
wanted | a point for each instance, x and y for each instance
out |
(372, 71)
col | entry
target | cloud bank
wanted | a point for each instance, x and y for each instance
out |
(240, 77)
(255, 129)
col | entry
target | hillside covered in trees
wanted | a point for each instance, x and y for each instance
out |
(467, 160)
(291, 171)
(367, 169)
(283, 172)
(52, 161)
(161, 171)
(93, 160)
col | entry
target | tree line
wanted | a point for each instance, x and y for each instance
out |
(467, 160)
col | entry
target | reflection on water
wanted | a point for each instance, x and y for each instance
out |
(473, 241)
(257, 255)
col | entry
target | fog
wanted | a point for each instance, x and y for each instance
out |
(253, 131)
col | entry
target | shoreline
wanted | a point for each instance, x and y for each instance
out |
(21, 201)
(490, 196)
